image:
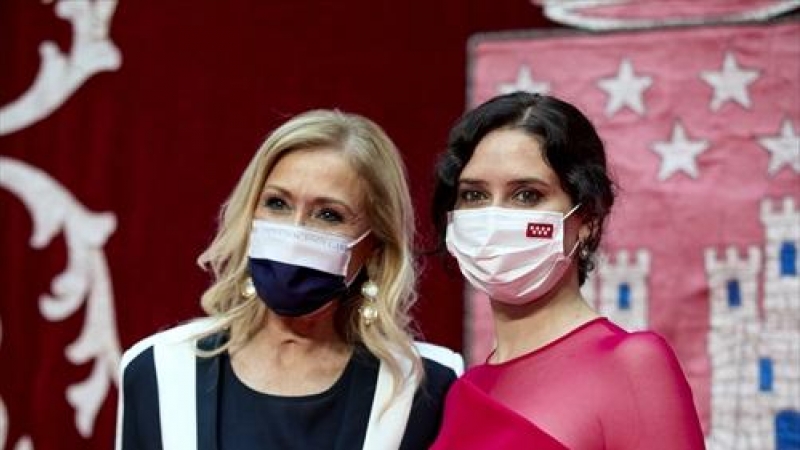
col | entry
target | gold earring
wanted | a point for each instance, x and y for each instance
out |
(249, 289)
(368, 309)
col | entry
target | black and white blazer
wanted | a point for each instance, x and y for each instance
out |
(168, 395)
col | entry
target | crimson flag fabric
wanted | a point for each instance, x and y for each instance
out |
(702, 129)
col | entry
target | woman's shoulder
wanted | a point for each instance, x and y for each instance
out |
(440, 358)
(644, 351)
(177, 337)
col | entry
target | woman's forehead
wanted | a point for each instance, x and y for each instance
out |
(508, 154)
(318, 171)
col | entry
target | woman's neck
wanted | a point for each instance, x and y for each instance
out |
(312, 331)
(293, 356)
(521, 329)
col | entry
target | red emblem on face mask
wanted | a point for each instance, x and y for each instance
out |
(539, 230)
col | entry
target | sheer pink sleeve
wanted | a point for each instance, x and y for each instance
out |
(661, 411)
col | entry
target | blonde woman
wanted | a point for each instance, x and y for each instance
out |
(307, 343)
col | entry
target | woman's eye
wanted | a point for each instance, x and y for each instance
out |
(468, 196)
(275, 204)
(329, 215)
(527, 196)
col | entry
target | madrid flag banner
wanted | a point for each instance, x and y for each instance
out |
(702, 128)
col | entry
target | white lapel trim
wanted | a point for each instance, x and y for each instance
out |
(442, 355)
(176, 363)
(175, 372)
(385, 429)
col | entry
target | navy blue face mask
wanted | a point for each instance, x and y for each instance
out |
(291, 290)
(296, 270)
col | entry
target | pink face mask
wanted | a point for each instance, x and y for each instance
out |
(515, 256)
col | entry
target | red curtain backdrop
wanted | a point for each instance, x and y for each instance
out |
(118, 186)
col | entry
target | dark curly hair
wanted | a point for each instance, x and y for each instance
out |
(571, 147)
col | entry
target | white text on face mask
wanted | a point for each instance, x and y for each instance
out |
(301, 235)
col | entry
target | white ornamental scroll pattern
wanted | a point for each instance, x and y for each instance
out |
(85, 281)
(60, 75)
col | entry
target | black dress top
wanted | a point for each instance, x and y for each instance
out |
(249, 419)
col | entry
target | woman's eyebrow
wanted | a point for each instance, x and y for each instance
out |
(527, 181)
(471, 182)
(278, 189)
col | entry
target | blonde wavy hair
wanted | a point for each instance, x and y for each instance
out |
(376, 160)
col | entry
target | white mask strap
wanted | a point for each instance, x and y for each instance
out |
(577, 242)
(351, 246)
(358, 240)
(574, 248)
(575, 208)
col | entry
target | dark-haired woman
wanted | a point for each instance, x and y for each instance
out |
(521, 197)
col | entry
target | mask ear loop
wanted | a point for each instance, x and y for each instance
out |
(578, 241)
(358, 240)
(574, 248)
(569, 213)
(350, 248)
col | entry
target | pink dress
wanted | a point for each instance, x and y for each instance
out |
(598, 387)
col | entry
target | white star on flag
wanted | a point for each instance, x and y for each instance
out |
(784, 149)
(525, 83)
(679, 154)
(625, 90)
(730, 83)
